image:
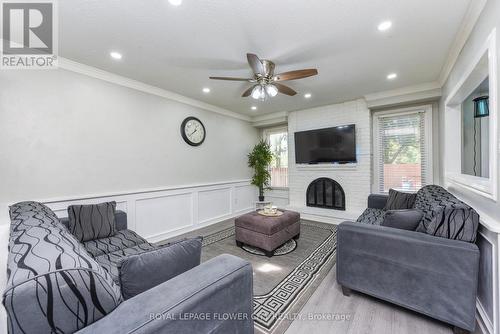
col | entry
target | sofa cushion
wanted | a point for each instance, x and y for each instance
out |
(445, 215)
(407, 219)
(372, 216)
(399, 200)
(95, 221)
(121, 240)
(146, 270)
(54, 285)
(110, 261)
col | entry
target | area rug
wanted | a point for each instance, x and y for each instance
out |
(282, 283)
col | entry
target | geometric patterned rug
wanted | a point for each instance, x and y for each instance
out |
(280, 294)
(284, 249)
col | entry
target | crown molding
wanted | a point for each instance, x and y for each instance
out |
(94, 72)
(469, 22)
(271, 119)
(423, 92)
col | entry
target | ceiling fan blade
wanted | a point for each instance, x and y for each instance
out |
(255, 64)
(293, 75)
(230, 79)
(248, 92)
(285, 89)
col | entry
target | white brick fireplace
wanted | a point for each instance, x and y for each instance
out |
(355, 179)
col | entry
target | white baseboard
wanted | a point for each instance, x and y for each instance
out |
(324, 215)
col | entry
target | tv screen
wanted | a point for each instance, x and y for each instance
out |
(336, 144)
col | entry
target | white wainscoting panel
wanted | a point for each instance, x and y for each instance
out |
(213, 204)
(487, 304)
(158, 214)
(243, 195)
(168, 213)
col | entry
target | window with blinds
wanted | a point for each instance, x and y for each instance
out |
(278, 141)
(401, 152)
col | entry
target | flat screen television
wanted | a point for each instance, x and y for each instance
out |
(330, 145)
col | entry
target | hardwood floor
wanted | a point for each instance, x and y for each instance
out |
(367, 315)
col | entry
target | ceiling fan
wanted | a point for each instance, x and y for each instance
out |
(266, 83)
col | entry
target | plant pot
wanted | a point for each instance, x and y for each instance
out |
(261, 198)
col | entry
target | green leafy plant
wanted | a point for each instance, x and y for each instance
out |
(259, 159)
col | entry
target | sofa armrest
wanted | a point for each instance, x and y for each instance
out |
(434, 276)
(377, 201)
(214, 297)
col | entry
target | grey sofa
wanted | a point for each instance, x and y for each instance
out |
(59, 285)
(430, 270)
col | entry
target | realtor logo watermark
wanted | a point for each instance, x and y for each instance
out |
(29, 35)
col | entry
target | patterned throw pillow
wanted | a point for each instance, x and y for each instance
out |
(90, 222)
(455, 221)
(400, 201)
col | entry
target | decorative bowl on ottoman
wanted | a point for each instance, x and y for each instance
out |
(267, 233)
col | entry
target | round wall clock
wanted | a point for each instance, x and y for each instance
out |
(193, 131)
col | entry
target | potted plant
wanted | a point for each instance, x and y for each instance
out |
(259, 159)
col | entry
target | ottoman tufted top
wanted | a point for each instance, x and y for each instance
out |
(267, 225)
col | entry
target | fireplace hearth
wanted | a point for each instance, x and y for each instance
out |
(325, 193)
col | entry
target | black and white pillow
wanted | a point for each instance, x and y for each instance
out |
(455, 221)
(399, 200)
(90, 222)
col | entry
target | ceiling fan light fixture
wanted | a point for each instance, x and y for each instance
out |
(271, 90)
(265, 83)
(257, 92)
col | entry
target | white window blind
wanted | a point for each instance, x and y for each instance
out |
(402, 159)
(278, 140)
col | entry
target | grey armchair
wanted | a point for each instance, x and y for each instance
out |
(431, 275)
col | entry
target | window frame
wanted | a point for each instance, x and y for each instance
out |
(471, 77)
(427, 110)
(278, 129)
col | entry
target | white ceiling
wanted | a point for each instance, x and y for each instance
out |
(178, 48)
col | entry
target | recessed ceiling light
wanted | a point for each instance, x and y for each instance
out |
(115, 55)
(307, 95)
(254, 108)
(206, 90)
(392, 76)
(175, 2)
(385, 25)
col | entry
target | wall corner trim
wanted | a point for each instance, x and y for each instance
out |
(468, 23)
(70, 65)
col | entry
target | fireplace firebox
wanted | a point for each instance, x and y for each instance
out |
(325, 193)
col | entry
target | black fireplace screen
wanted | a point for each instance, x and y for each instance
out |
(325, 193)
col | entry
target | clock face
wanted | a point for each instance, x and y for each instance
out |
(193, 131)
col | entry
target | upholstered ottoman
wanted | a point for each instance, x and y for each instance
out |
(267, 233)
